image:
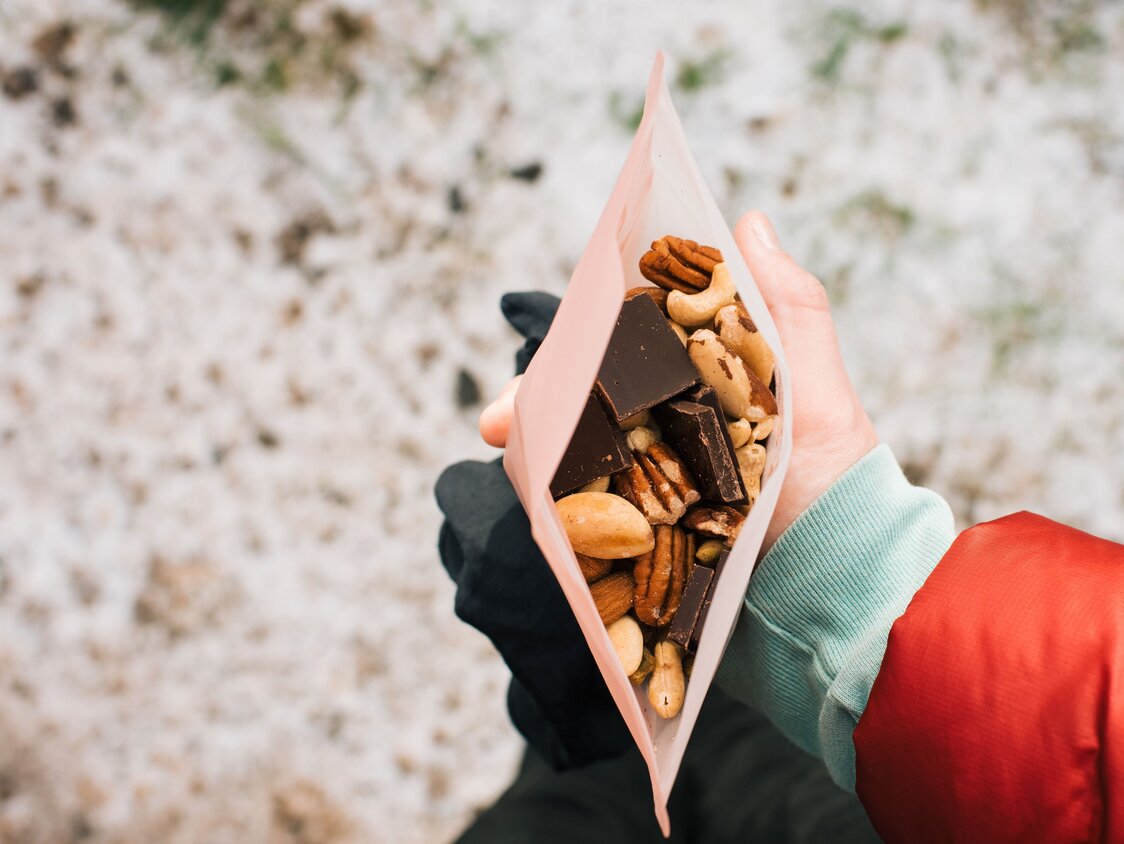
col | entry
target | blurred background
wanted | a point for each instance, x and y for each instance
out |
(250, 256)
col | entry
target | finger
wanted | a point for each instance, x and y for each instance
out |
(495, 420)
(783, 283)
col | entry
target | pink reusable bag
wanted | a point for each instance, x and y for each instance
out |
(659, 191)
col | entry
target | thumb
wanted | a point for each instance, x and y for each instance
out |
(495, 420)
(784, 284)
(830, 429)
(799, 306)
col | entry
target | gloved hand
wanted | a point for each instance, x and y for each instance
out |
(505, 589)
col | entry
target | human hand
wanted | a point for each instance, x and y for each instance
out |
(830, 428)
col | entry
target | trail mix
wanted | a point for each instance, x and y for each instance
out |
(666, 460)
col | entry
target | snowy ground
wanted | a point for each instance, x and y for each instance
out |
(245, 262)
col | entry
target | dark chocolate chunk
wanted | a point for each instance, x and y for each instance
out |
(645, 363)
(693, 644)
(697, 430)
(682, 630)
(705, 394)
(597, 448)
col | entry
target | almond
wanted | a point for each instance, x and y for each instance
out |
(613, 596)
(592, 568)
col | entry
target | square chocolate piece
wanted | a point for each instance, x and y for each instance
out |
(693, 644)
(597, 448)
(695, 427)
(686, 622)
(645, 363)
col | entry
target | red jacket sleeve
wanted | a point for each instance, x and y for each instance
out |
(998, 713)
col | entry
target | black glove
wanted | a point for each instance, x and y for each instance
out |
(557, 699)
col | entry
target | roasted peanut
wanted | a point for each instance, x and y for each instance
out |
(741, 432)
(751, 464)
(762, 429)
(628, 642)
(667, 685)
(642, 437)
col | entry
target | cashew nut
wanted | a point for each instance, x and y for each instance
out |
(695, 309)
(741, 432)
(742, 394)
(628, 642)
(763, 428)
(667, 686)
(738, 332)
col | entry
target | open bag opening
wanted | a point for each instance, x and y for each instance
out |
(621, 390)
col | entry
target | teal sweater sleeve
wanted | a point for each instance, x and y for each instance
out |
(812, 633)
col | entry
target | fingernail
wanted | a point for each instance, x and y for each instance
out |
(764, 232)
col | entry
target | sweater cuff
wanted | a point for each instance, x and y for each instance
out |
(812, 633)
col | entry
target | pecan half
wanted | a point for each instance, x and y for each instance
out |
(658, 484)
(661, 576)
(718, 520)
(613, 596)
(678, 264)
(656, 294)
